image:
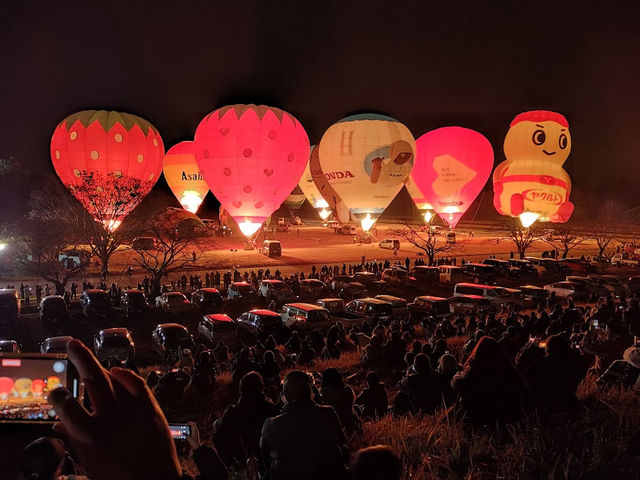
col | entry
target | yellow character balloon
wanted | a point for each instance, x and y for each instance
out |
(531, 183)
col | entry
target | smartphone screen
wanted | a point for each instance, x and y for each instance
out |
(595, 323)
(26, 381)
(179, 431)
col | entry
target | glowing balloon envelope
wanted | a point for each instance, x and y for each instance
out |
(330, 196)
(312, 193)
(452, 166)
(418, 198)
(366, 159)
(531, 183)
(109, 161)
(252, 157)
(183, 177)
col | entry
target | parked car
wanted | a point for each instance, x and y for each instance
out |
(368, 279)
(133, 302)
(567, 290)
(593, 287)
(494, 294)
(217, 327)
(271, 248)
(400, 309)
(207, 300)
(611, 282)
(389, 244)
(312, 288)
(577, 265)
(9, 307)
(451, 274)
(305, 315)
(479, 273)
(428, 306)
(525, 267)
(339, 281)
(55, 344)
(275, 290)
(534, 294)
(168, 338)
(463, 304)
(95, 303)
(9, 346)
(501, 266)
(371, 308)
(625, 259)
(335, 306)
(425, 274)
(513, 296)
(398, 277)
(114, 345)
(53, 310)
(352, 290)
(242, 292)
(260, 322)
(173, 302)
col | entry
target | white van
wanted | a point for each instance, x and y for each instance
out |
(305, 315)
(490, 292)
(450, 274)
(389, 244)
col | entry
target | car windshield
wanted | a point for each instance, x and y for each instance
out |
(115, 341)
(381, 308)
(318, 316)
(136, 298)
(100, 298)
(175, 299)
(332, 305)
(271, 320)
(175, 336)
(55, 305)
(244, 288)
(279, 286)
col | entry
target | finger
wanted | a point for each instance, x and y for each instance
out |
(134, 385)
(95, 377)
(75, 419)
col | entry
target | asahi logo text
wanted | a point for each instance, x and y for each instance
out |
(191, 176)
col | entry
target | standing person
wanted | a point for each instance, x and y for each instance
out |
(289, 451)
(74, 290)
(27, 294)
(38, 293)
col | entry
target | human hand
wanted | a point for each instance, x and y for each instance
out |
(126, 436)
(194, 437)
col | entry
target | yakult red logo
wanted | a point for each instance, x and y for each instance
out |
(543, 196)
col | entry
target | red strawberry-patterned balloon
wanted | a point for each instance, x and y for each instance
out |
(251, 156)
(108, 160)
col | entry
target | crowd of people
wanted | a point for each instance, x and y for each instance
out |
(293, 420)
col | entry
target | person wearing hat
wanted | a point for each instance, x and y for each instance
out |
(625, 372)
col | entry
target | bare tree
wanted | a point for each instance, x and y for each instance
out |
(175, 249)
(606, 225)
(565, 237)
(522, 237)
(431, 242)
(47, 244)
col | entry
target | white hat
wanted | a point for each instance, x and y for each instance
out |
(632, 356)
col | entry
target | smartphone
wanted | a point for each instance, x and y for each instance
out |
(179, 431)
(25, 383)
(595, 324)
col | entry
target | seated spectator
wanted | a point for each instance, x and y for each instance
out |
(307, 355)
(335, 393)
(394, 351)
(447, 368)
(625, 372)
(236, 434)
(270, 369)
(376, 463)
(489, 388)
(294, 344)
(288, 449)
(373, 355)
(241, 365)
(46, 459)
(421, 391)
(373, 399)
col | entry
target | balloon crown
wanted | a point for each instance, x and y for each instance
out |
(540, 116)
(108, 119)
(260, 111)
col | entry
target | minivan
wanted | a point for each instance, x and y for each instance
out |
(428, 306)
(424, 274)
(490, 292)
(271, 248)
(450, 274)
(389, 244)
(305, 315)
(400, 309)
(479, 272)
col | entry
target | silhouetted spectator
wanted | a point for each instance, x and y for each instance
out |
(376, 463)
(373, 399)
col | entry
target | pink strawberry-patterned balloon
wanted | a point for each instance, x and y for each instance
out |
(251, 156)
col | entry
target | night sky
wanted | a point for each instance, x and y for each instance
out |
(429, 64)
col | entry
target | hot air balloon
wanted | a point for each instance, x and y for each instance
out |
(295, 199)
(531, 183)
(452, 166)
(109, 161)
(422, 203)
(183, 177)
(252, 157)
(334, 202)
(366, 159)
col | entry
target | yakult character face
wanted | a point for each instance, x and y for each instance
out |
(538, 135)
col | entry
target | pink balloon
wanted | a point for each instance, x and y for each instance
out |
(6, 384)
(452, 166)
(252, 157)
